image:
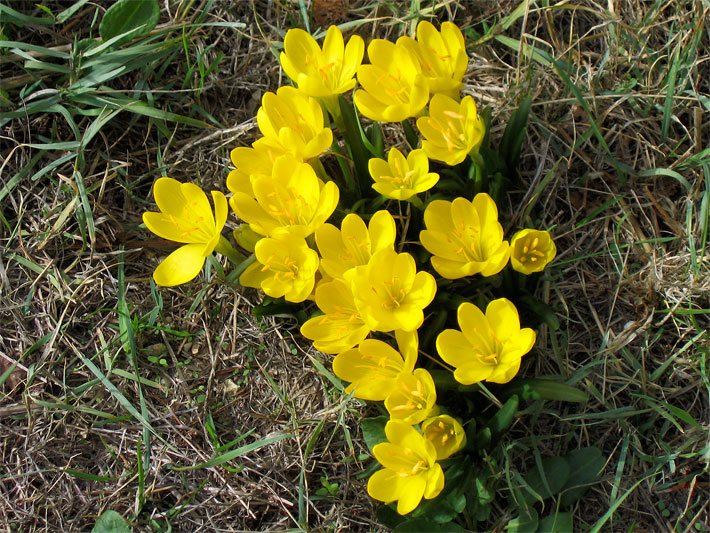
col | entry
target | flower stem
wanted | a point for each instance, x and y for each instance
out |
(225, 248)
(416, 202)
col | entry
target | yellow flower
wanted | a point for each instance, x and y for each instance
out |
(531, 250)
(340, 327)
(410, 469)
(393, 86)
(354, 243)
(446, 434)
(452, 130)
(389, 292)
(374, 367)
(285, 266)
(293, 122)
(250, 162)
(489, 347)
(323, 72)
(401, 178)
(465, 237)
(186, 217)
(442, 56)
(291, 200)
(413, 397)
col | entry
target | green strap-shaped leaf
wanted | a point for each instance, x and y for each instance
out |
(130, 18)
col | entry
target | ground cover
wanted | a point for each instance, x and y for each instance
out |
(170, 406)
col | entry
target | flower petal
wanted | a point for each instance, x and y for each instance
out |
(181, 266)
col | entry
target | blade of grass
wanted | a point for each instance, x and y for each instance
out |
(127, 336)
(233, 454)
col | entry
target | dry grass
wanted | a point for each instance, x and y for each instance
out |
(631, 284)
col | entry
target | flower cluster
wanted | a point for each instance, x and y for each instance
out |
(365, 272)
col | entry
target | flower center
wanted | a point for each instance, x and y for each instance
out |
(530, 252)
(393, 295)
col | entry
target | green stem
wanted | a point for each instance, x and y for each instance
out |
(225, 248)
(319, 168)
(332, 104)
(416, 202)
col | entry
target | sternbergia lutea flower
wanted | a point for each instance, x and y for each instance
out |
(186, 217)
(445, 433)
(341, 326)
(393, 86)
(322, 72)
(293, 122)
(389, 292)
(487, 347)
(354, 243)
(402, 177)
(412, 398)
(285, 266)
(465, 237)
(409, 468)
(452, 130)
(442, 56)
(374, 367)
(291, 200)
(531, 250)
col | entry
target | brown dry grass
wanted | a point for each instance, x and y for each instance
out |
(626, 259)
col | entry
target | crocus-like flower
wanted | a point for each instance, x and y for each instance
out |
(292, 200)
(285, 266)
(465, 237)
(389, 292)
(185, 217)
(393, 86)
(446, 434)
(401, 178)
(354, 243)
(452, 130)
(442, 56)
(323, 72)
(340, 327)
(410, 470)
(489, 347)
(374, 367)
(531, 250)
(258, 161)
(413, 397)
(293, 122)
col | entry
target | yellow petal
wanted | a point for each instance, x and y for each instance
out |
(473, 373)
(411, 493)
(453, 347)
(503, 318)
(384, 485)
(181, 266)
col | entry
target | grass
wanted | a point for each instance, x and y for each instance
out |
(179, 410)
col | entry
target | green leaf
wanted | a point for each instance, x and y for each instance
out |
(502, 420)
(373, 430)
(355, 140)
(376, 137)
(111, 522)
(512, 142)
(546, 480)
(526, 522)
(545, 389)
(423, 524)
(410, 134)
(585, 465)
(130, 18)
(9, 15)
(556, 523)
